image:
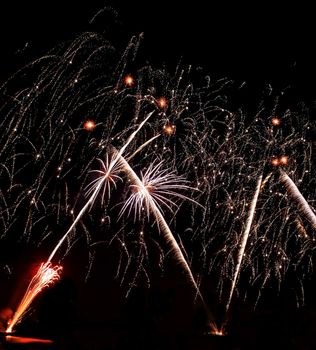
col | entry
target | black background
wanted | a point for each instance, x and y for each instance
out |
(263, 42)
(259, 43)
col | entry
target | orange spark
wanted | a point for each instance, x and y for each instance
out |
(129, 81)
(162, 102)
(276, 121)
(89, 125)
(275, 162)
(284, 160)
(169, 129)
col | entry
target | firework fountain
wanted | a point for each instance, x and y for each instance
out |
(45, 276)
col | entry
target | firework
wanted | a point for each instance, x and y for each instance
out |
(45, 277)
(47, 151)
(108, 177)
(54, 149)
(297, 197)
(157, 186)
(145, 196)
(244, 239)
(152, 190)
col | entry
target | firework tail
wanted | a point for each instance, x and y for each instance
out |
(142, 146)
(162, 224)
(298, 197)
(244, 240)
(264, 182)
(99, 186)
(129, 140)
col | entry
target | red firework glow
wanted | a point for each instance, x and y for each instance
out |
(45, 277)
(24, 340)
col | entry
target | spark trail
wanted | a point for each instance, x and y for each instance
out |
(244, 240)
(298, 197)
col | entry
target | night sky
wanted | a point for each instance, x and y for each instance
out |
(258, 45)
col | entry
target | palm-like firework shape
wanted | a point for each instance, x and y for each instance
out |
(162, 185)
(106, 179)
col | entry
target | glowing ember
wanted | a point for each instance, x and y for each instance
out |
(89, 125)
(169, 129)
(45, 276)
(284, 160)
(276, 121)
(129, 81)
(275, 162)
(162, 102)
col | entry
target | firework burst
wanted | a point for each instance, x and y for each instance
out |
(201, 140)
(157, 184)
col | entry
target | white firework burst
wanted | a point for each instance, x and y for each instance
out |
(162, 186)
